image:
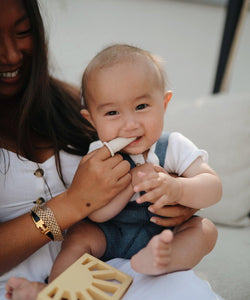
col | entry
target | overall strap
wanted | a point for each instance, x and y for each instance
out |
(161, 148)
(129, 159)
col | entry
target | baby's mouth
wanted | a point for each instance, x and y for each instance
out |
(138, 138)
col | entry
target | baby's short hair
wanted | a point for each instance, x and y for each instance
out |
(117, 53)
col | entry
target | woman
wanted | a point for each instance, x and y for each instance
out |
(42, 141)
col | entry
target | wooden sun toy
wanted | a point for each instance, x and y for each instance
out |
(87, 279)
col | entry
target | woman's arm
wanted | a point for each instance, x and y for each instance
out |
(19, 238)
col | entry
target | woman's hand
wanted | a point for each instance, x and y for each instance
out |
(163, 191)
(173, 215)
(98, 179)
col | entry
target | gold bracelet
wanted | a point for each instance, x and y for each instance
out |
(41, 226)
(45, 221)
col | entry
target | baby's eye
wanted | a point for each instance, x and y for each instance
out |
(112, 113)
(141, 106)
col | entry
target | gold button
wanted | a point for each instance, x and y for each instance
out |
(39, 172)
(39, 201)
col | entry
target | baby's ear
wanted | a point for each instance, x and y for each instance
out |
(85, 113)
(167, 98)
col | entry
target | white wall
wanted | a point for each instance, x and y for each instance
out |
(186, 35)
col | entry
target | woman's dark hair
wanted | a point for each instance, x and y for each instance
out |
(48, 108)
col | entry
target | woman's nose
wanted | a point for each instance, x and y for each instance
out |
(10, 53)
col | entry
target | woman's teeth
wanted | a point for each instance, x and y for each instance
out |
(9, 74)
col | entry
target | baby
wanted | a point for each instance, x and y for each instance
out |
(124, 96)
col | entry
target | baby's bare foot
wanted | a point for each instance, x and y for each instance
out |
(22, 289)
(155, 257)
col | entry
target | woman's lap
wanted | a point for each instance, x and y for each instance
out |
(175, 286)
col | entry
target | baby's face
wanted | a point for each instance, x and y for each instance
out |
(127, 100)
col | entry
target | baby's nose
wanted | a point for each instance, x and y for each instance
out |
(130, 123)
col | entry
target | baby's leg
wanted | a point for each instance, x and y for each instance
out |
(163, 254)
(83, 237)
(155, 257)
(193, 240)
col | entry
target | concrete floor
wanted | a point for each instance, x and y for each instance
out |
(186, 34)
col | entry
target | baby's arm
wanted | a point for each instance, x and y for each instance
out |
(199, 187)
(114, 207)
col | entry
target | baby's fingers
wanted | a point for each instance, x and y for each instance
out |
(161, 202)
(150, 196)
(146, 185)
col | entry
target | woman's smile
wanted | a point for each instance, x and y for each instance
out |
(10, 76)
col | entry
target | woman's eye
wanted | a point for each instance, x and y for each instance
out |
(141, 106)
(24, 32)
(112, 113)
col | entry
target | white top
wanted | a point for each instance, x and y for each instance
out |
(19, 188)
(181, 153)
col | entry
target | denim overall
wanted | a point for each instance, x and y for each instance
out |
(131, 230)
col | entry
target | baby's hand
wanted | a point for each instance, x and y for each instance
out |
(160, 187)
(146, 168)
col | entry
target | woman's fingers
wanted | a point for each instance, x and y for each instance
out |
(165, 222)
(124, 181)
(173, 215)
(102, 153)
(120, 169)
